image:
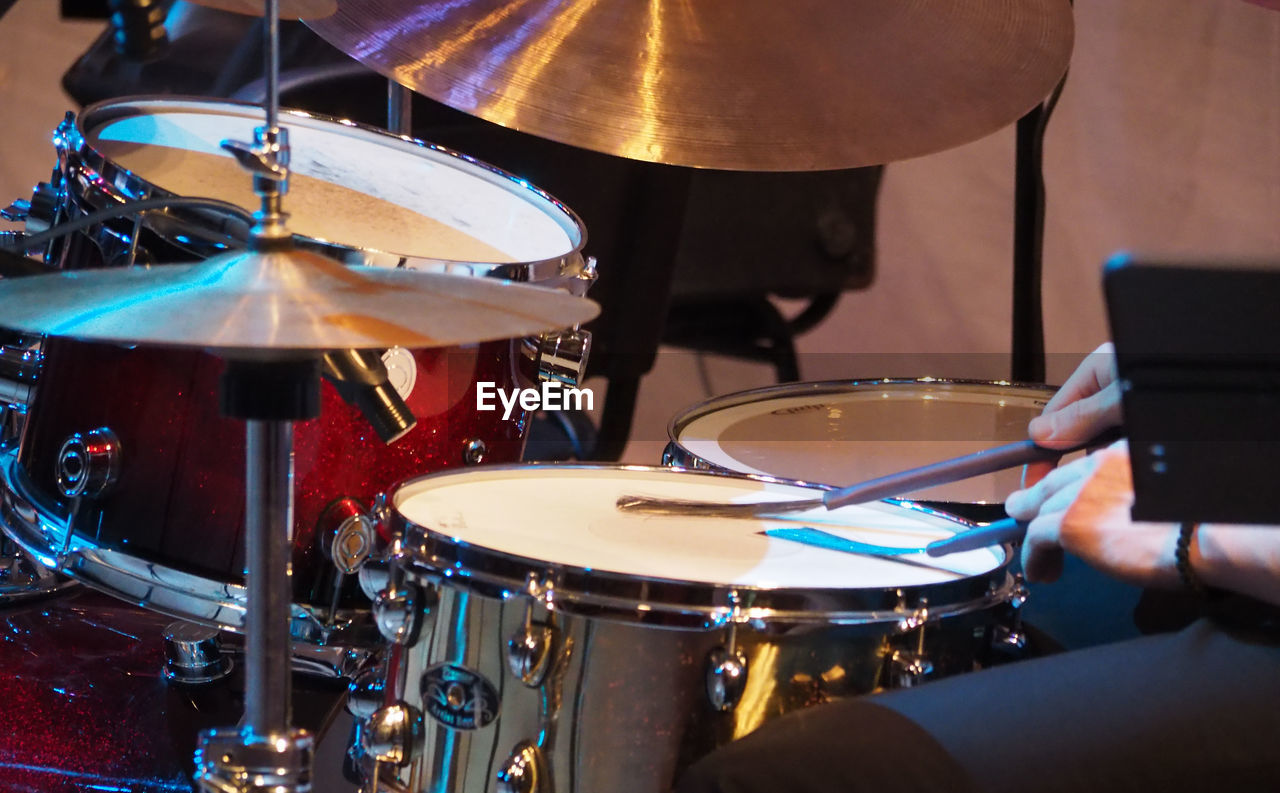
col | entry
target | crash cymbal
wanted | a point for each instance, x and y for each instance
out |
(249, 303)
(289, 9)
(745, 85)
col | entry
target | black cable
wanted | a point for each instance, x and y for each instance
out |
(1028, 351)
(110, 213)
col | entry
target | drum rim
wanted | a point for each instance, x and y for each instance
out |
(121, 181)
(434, 557)
(678, 454)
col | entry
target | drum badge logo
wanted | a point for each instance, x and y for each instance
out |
(458, 698)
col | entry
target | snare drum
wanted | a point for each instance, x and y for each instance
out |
(586, 649)
(838, 433)
(161, 520)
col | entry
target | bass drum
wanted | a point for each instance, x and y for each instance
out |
(88, 706)
(562, 645)
(837, 433)
(130, 480)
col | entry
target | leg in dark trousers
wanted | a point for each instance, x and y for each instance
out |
(1197, 710)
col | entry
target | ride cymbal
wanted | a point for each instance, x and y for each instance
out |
(247, 303)
(754, 85)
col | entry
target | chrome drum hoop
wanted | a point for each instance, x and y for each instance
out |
(678, 455)
(44, 533)
(431, 556)
(94, 180)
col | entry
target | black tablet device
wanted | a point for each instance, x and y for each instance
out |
(1198, 354)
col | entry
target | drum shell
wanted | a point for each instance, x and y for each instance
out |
(180, 497)
(625, 706)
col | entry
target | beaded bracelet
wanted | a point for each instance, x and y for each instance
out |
(1182, 558)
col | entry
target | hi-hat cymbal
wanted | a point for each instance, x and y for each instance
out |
(289, 9)
(744, 85)
(251, 303)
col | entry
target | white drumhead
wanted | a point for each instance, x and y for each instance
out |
(565, 515)
(840, 434)
(348, 184)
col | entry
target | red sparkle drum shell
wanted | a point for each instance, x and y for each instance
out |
(179, 500)
(365, 197)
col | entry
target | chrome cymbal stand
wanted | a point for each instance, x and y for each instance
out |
(269, 391)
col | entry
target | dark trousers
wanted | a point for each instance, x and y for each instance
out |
(1196, 710)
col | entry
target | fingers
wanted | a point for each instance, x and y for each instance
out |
(1042, 554)
(1095, 372)
(1078, 421)
(1027, 504)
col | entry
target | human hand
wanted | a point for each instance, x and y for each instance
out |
(1087, 404)
(1083, 508)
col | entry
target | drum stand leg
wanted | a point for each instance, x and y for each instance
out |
(264, 753)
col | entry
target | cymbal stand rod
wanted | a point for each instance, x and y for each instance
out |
(268, 518)
(272, 48)
(264, 754)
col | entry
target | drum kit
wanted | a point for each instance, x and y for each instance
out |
(368, 543)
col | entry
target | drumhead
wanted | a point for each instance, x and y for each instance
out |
(838, 433)
(564, 519)
(349, 184)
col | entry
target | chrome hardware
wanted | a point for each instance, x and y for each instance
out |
(88, 464)
(267, 157)
(473, 451)
(235, 761)
(525, 771)
(20, 360)
(726, 677)
(17, 211)
(374, 577)
(529, 650)
(1011, 639)
(193, 654)
(908, 668)
(366, 693)
(22, 578)
(399, 609)
(560, 356)
(393, 734)
(346, 535)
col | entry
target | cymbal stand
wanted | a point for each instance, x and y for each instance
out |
(270, 392)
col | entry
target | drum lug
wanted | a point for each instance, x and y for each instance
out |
(393, 734)
(560, 356)
(1010, 639)
(366, 693)
(530, 649)
(193, 654)
(88, 463)
(726, 678)
(235, 761)
(525, 771)
(398, 611)
(909, 668)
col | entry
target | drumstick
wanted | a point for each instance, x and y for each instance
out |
(983, 462)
